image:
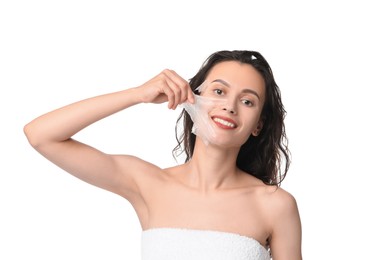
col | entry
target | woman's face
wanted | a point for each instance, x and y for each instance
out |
(242, 91)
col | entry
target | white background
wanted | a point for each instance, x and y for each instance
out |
(56, 52)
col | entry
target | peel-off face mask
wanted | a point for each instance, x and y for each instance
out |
(199, 113)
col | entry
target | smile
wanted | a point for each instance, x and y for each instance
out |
(224, 123)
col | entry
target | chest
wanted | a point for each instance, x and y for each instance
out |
(231, 211)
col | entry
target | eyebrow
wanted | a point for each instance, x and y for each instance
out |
(246, 90)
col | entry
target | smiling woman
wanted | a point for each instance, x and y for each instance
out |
(224, 202)
(261, 156)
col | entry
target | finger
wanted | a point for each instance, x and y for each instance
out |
(179, 93)
(186, 92)
(172, 92)
(170, 95)
(176, 92)
(191, 98)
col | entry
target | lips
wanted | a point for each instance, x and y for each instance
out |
(224, 122)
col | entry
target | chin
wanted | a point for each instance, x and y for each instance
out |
(224, 142)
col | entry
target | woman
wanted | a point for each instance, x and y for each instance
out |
(224, 202)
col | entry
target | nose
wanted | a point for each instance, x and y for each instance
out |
(230, 106)
(230, 110)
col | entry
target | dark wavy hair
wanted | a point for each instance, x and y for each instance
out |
(265, 156)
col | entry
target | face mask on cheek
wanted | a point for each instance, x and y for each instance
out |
(199, 114)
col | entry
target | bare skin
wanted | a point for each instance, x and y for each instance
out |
(209, 192)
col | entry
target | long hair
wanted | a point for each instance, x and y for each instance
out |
(265, 156)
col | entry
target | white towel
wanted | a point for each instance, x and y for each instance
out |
(190, 244)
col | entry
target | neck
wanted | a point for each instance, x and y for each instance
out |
(212, 167)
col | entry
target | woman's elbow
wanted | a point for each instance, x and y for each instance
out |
(31, 134)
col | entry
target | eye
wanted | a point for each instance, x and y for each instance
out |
(247, 102)
(218, 91)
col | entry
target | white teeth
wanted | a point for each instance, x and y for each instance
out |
(223, 122)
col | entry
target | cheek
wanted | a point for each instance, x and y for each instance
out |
(247, 130)
(251, 120)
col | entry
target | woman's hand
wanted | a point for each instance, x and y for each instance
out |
(167, 86)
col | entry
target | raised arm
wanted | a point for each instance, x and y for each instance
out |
(51, 134)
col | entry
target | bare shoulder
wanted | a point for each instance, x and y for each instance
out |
(271, 196)
(280, 200)
(284, 223)
(280, 206)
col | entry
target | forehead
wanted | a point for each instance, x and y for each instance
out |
(240, 75)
